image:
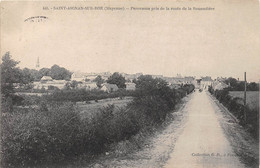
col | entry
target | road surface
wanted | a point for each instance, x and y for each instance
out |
(200, 136)
(203, 142)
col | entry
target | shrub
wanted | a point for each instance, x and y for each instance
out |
(39, 136)
(76, 95)
(235, 107)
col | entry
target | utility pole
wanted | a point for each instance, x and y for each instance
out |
(245, 99)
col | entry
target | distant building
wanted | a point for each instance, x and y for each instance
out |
(78, 76)
(221, 79)
(130, 86)
(189, 80)
(109, 87)
(206, 82)
(87, 85)
(105, 75)
(180, 80)
(91, 76)
(131, 77)
(47, 81)
(220, 86)
(46, 78)
(81, 77)
(91, 86)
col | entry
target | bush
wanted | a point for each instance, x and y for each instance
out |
(76, 95)
(39, 136)
(235, 107)
(8, 103)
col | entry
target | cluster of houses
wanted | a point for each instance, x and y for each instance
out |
(85, 80)
(219, 84)
(216, 84)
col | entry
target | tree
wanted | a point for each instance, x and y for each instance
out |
(87, 80)
(59, 73)
(74, 84)
(10, 74)
(99, 81)
(135, 80)
(35, 75)
(117, 79)
(146, 85)
(67, 86)
(231, 81)
(44, 72)
(253, 86)
(156, 96)
(26, 76)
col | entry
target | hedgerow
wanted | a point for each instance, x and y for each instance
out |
(236, 108)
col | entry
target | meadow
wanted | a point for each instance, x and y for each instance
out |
(92, 107)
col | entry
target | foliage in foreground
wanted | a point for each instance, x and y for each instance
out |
(55, 132)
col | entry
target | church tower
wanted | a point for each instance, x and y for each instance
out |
(38, 64)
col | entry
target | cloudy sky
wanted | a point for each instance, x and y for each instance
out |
(221, 42)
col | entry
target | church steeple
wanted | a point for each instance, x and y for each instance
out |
(38, 64)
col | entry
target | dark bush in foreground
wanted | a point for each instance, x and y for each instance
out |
(56, 133)
(39, 136)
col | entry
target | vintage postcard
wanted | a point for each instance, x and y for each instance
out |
(143, 84)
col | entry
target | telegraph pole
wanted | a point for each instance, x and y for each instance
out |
(245, 98)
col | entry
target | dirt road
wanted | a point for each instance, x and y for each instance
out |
(198, 137)
(202, 143)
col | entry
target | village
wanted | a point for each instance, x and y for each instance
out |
(139, 84)
(87, 81)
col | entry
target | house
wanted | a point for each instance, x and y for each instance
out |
(42, 83)
(220, 86)
(189, 80)
(131, 77)
(78, 76)
(206, 82)
(91, 76)
(46, 82)
(46, 78)
(130, 86)
(109, 87)
(105, 75)
(88, 85)
(91, 86)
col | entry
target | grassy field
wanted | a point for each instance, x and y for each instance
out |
(92, 107)
(252, 98)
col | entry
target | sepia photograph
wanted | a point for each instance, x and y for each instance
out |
(130, 84)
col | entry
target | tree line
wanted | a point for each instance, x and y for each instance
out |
(236, 85)
(12, 74)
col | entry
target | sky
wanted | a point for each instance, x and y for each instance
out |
(222, 42)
